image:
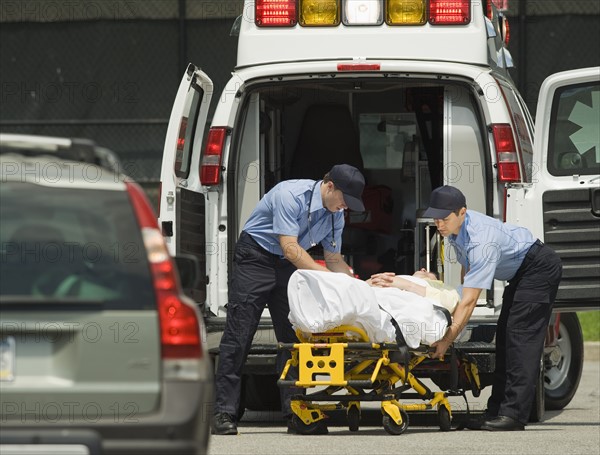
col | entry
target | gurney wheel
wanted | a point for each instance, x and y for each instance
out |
(392, 427)
(317, 427)
(444, 418)
(353, 418)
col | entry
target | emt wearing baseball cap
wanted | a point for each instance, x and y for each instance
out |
(488, 249)
(291, 218)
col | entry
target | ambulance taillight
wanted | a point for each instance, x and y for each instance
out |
(210, 166)
(506, 153)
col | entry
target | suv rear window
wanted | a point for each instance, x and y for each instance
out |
(70, 244)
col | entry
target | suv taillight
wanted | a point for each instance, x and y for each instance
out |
(179, 328)
(179, 325)
(506, 153)
(210, 165)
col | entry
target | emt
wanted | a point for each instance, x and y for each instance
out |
(292, 217)
(488, 249)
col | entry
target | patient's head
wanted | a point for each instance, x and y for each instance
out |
(424, 274)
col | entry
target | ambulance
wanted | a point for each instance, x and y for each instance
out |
(416, 94)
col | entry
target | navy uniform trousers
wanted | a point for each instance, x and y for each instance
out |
(521, 332)
(259, 278)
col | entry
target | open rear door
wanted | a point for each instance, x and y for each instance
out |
(566, 181)
(182, 208)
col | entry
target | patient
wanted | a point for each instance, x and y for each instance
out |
(422, 283)
(320, 301)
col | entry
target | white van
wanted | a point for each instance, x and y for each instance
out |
(416, 94)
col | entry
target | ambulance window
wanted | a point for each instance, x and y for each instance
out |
(523, 132)
(387, 140)
(574, 142)
(185, 138)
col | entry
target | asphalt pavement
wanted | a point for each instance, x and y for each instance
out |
(574, 430)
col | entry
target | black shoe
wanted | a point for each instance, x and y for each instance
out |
(502, 423)
(476, 422)
(317, 428)
(223, 424)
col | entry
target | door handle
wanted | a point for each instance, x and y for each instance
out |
(595, 199)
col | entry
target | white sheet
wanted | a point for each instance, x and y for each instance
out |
(320, 301)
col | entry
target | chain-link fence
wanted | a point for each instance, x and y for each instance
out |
(547, 36)
(109, 70)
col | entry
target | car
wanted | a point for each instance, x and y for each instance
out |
(100, 349)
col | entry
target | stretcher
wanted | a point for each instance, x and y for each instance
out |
(358, 343)
(344, 368)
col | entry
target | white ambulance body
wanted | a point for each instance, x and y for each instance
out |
(416, 94)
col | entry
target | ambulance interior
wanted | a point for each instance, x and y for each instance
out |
(406, 135)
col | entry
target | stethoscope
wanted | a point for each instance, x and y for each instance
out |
(332, 242)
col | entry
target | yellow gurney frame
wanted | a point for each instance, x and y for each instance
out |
(351, 362)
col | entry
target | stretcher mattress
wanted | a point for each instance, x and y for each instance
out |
(320, 301)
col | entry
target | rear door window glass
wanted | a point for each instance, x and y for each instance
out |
(574, 142)
(66, 244)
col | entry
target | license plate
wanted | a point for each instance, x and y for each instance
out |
(7, 359)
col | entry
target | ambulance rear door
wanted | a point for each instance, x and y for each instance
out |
(562, 203)
(182, 202)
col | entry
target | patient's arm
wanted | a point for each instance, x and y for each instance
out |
(389, 279)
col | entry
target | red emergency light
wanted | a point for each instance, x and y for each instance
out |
(275, 13)
(444, 12)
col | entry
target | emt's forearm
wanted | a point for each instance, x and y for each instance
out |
(297, 255)
(335, 262)
(462, 314)
(301, 259)
(339, 267)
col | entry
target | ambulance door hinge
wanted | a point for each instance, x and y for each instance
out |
(191, 69)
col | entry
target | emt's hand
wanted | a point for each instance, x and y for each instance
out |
(441, 346)
(382, 280)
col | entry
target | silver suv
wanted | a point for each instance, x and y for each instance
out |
(100, 351)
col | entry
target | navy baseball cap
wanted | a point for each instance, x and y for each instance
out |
(351, 183)
(443, 201)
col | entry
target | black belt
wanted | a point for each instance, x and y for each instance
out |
(533, 249)
(247, 240)
(531, 253)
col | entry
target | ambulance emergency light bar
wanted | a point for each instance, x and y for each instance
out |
(330, 13)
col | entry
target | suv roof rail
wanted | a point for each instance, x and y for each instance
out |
(68, 149)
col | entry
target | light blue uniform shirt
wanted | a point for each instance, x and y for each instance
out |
(284, 211)
(489, 249)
